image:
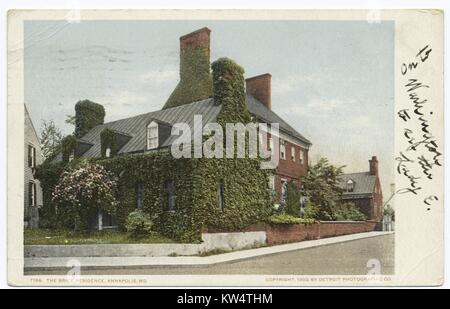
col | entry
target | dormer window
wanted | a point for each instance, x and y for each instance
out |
(350, 185)
(152, 135)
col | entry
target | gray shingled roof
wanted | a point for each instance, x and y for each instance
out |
(135, 126)
(364, 184)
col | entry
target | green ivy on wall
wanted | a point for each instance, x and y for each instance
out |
(87, 115)
(195, 77)
(246, 195)
(68, 145)
(108, 139)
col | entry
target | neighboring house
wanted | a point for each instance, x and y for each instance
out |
(194, 95)
(364, 190)
(32, 187)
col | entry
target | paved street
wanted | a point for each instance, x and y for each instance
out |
(348, 258)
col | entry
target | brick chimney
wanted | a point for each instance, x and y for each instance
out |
(373, 166)
(260, 87)
(195, 76)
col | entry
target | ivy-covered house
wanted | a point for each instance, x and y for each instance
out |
(186, 195)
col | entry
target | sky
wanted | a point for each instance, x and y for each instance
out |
(333, 81)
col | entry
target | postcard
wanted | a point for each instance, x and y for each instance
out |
(225, 148)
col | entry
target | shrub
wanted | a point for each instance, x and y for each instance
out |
(348, 212)
(292, 199)
(81, 191)
(289, 219)
(138, 224)
(311, 211)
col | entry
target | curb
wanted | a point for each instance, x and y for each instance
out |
(94, 263)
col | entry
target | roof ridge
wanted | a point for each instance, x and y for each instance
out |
(160, 110)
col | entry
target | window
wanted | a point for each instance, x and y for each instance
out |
(170, 189)
(108, 152)
(31, 156)
(350, 185)
(302, 156)
(282, 150)
(71, 155)
(139, 194)
(32, 194)
(270, 144)
(293, 153)
(152, 135)
(105, 221)
(220, 196)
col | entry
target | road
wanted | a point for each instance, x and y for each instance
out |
(348, 258)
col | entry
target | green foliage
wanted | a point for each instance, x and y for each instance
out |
(43, 236)
(228, 83)
(292, 199)
(348, 211)
(50, 139)
(322, 187)
(108, 139)
(310, 211)
(82, 191)
(68, 145)
(48, 175)
(289, 219)
(247, 199)
(70, 119)
(195, 77)
(389, 211)
(87, 115)
(138, 224)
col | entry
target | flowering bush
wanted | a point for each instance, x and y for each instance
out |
(82, 191)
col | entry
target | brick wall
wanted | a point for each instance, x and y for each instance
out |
(281, 234)
(289, 168)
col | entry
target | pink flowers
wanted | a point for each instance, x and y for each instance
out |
(87, 185)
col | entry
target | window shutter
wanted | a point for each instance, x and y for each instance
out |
(34, 159)
(34, 194)
(29, 155)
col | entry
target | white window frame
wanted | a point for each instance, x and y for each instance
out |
(302, 156)
(108, 152)
(152, 141)
(282, 150)
(293, 153)
(32, 154)
(350, 185)
(33, 194)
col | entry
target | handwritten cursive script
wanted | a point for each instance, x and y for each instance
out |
(423, 150)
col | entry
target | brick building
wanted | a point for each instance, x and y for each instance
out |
(364, 190)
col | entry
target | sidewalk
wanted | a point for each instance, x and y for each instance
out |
(146, 262)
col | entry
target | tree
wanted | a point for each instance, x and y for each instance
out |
(389, 211)
(292, 199)
(82, 191)
(322, 188)
(50, 138)
(70, 119)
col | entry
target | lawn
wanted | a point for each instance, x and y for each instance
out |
(69, 237)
